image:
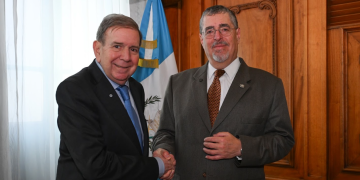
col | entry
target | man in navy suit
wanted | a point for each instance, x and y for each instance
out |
(103, 129)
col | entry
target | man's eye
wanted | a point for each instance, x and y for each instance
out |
(117, 46)
(210, 31)
(225, 29)
(134, 50)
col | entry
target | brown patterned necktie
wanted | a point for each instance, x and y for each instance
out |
(214, 96)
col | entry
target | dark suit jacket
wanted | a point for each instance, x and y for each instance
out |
(254, 109)
(98, 139)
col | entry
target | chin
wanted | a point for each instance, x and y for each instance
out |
(220, 58)
(122, 77)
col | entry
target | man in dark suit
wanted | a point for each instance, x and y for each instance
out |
(103, 129)
(224, 120)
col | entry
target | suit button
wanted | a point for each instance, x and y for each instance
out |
(204, 175)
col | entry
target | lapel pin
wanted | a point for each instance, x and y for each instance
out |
(242, 85)
(110, 95)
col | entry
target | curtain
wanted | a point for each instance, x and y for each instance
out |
(42, 43)
(4, 137)
(137, 8)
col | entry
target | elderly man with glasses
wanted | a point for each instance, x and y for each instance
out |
(224, 120)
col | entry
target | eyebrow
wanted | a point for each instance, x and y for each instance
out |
(224, 25)
(209, 27)
(137, 47)
(116, 43)
(122, 44)
(221, 25)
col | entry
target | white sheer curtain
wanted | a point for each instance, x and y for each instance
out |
(42, 43)
(4, 136)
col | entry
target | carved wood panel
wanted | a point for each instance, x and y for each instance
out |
(352, 121)
(344, 102)
(258, 43)
(257, 23)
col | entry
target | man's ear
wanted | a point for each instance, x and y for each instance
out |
(96, 47)
(238, 34)
(201, 38)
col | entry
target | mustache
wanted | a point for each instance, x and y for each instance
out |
(219, 43)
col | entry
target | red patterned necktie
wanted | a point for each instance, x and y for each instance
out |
(214, 96)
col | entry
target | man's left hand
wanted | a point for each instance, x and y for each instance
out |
(222, 145)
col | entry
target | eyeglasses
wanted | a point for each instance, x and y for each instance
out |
(224, 31)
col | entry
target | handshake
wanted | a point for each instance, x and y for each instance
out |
(169, 163)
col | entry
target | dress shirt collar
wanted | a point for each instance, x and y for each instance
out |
(230, 70)
(114, 84)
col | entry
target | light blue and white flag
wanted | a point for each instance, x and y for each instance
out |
(157, 61)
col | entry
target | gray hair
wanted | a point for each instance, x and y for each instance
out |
(117, 20)
(217, 10)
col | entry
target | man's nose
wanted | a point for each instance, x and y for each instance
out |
(217, 35)
(125, 54)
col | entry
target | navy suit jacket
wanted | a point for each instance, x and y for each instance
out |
(98, 139)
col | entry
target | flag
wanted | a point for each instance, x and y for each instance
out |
(156, 61)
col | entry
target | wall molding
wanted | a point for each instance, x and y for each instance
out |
(348, 166)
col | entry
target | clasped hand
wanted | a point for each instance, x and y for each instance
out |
(169, 162)
(222, 145)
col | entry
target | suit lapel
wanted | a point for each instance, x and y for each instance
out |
(199, 87)
(112, 103)
(237, 89)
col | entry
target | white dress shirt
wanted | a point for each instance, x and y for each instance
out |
(225, 80)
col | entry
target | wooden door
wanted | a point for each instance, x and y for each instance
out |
(344, 102)
(343, 89)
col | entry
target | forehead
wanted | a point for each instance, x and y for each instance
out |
(216, 20)
(122, 35)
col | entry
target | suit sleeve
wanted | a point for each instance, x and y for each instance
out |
(82, 139)
(278, 138)
(165, 136)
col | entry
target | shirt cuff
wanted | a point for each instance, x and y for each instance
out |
(161, 166)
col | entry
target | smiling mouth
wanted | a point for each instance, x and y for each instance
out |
(120, 66)
(219, 44)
